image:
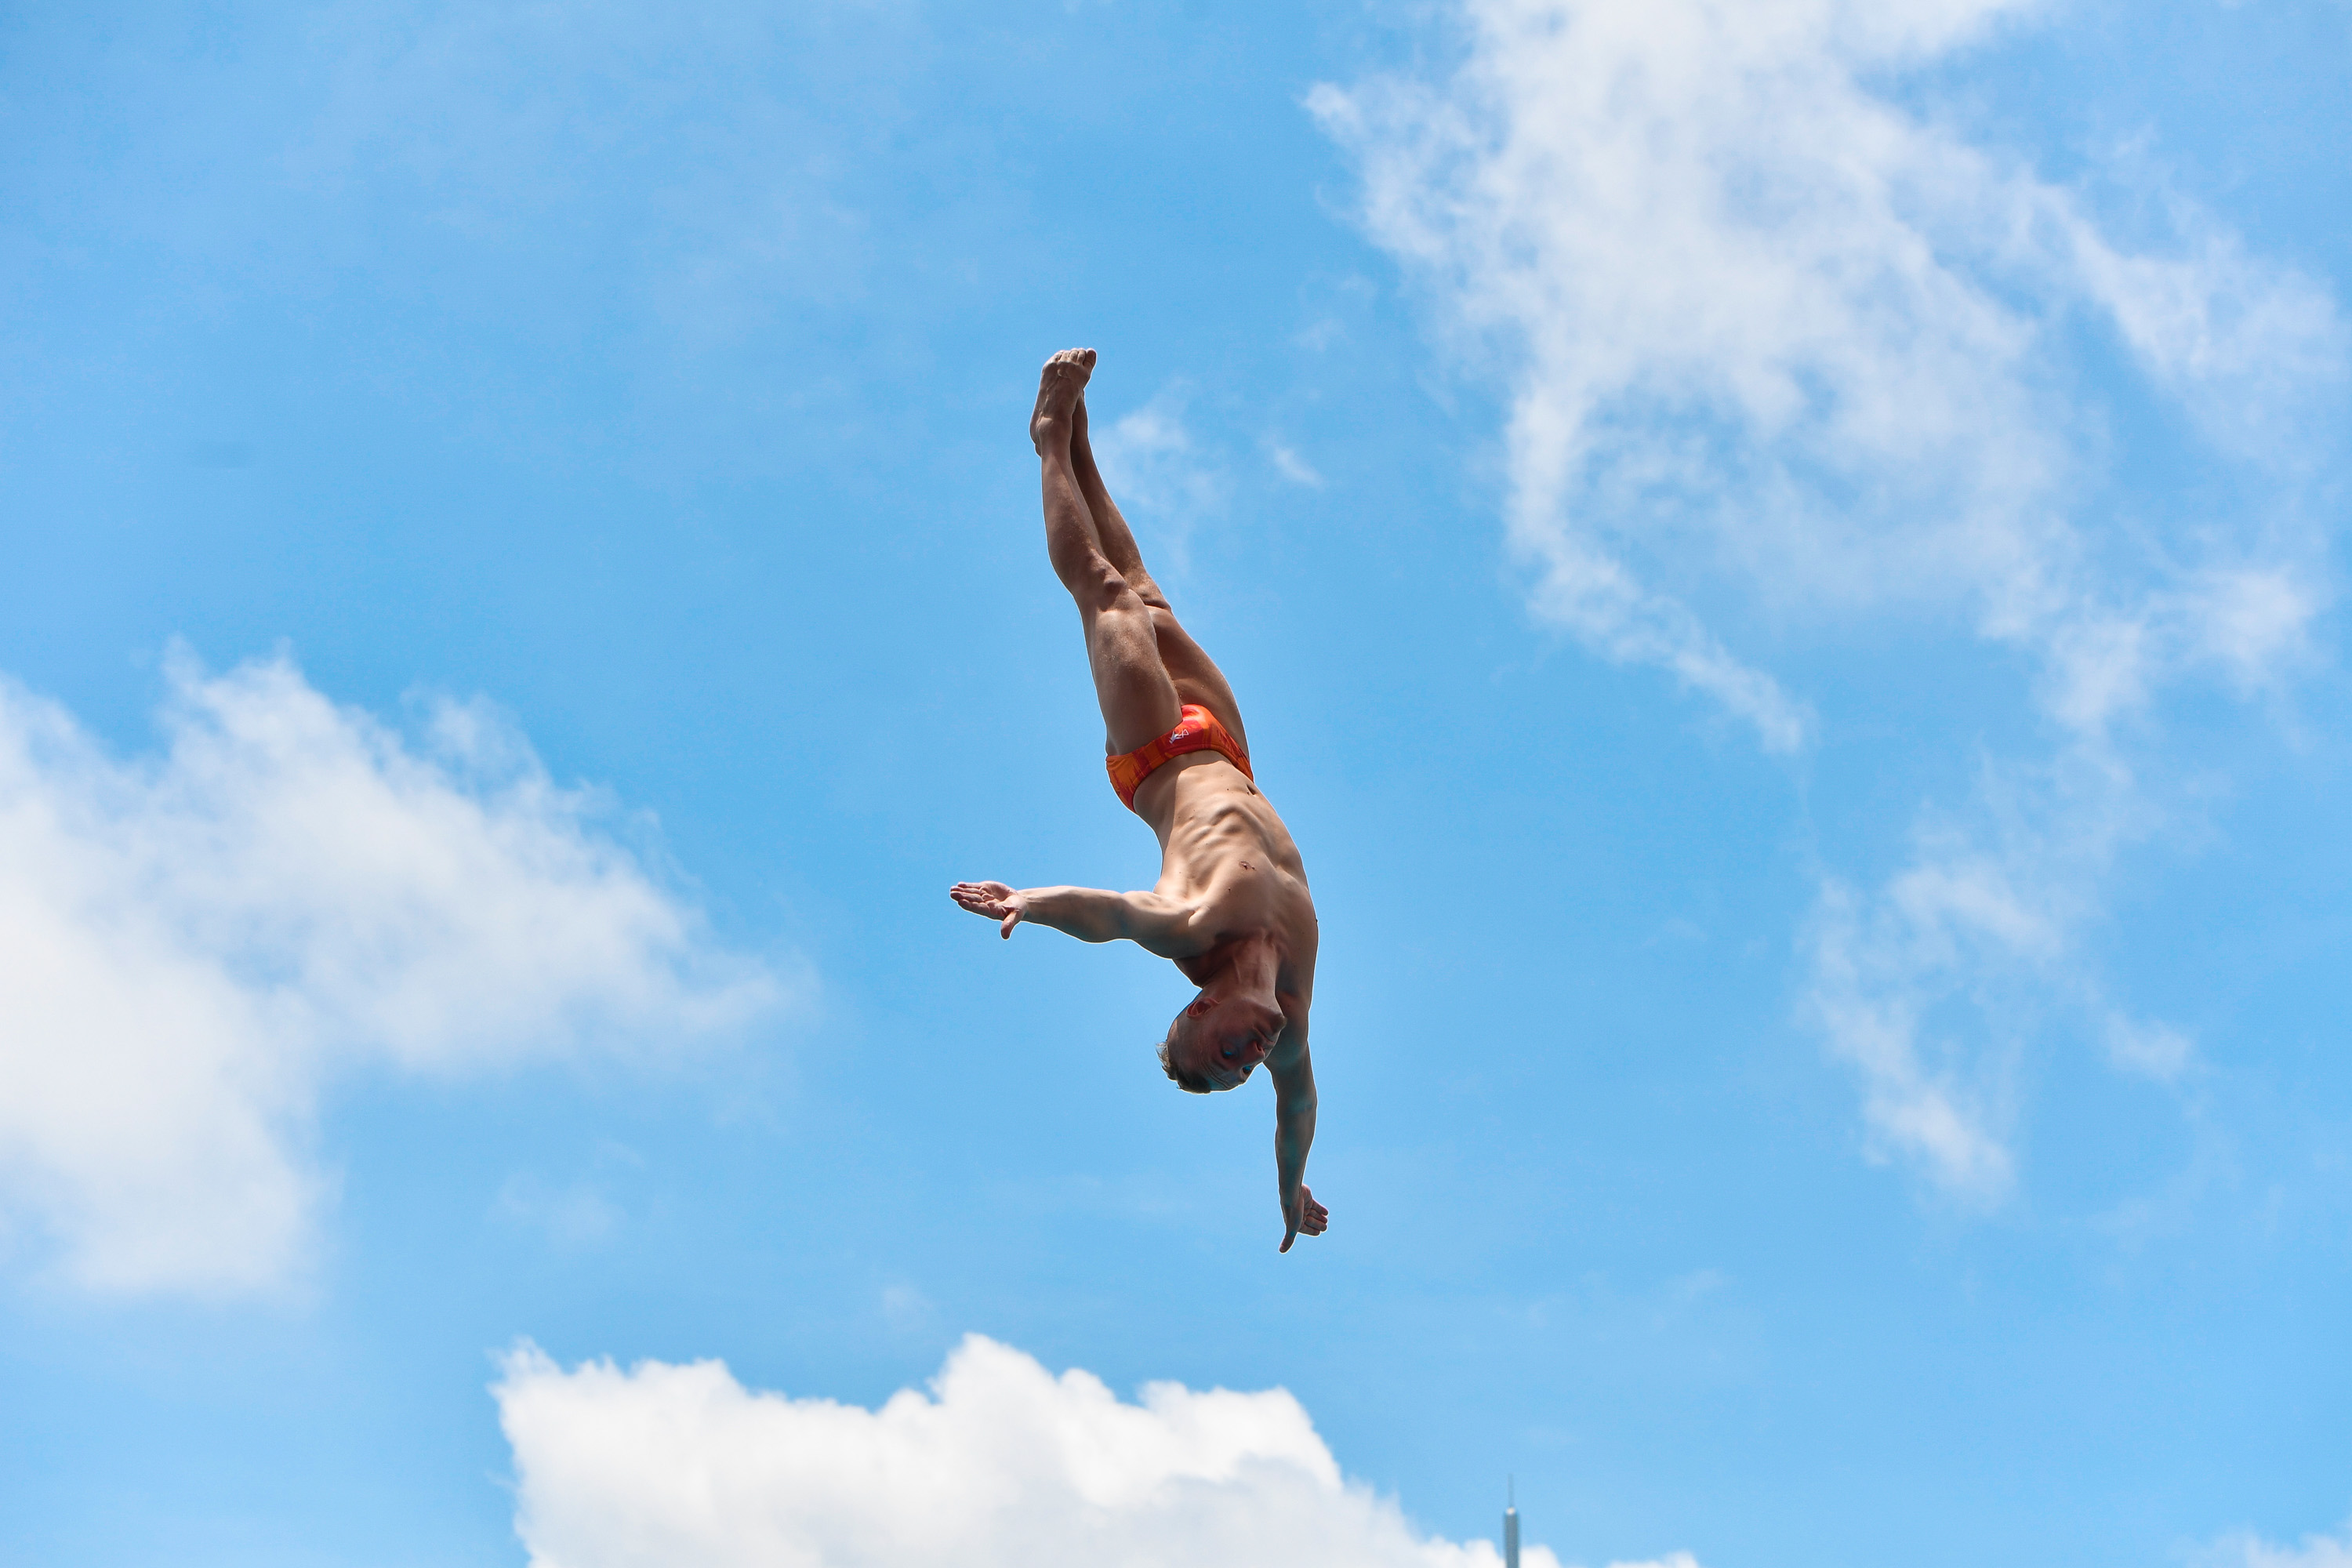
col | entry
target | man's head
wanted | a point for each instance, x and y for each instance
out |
(1217, 1040)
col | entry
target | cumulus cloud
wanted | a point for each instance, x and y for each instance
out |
(1000, 1463)
(191, 942)
(1774, 340)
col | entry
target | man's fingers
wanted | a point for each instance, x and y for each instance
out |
(1287, 1237)
(1312, 1217)
(1010, 921)
(976, 898)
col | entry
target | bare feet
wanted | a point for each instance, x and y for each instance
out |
(1059, 388)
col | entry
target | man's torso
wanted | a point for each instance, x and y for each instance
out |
(1225, 852)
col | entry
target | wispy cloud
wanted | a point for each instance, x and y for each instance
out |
(1160, 476)
(2253, 1552)
(1772, 338)
(576, 1215)
(1292, 466)
(488, 121)
(195, 942)
(1001, 1463)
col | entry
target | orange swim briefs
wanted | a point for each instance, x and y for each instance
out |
(1198, 731)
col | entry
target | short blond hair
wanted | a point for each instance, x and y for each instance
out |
(1190, 1082)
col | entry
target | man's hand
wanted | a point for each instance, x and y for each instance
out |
(995, 901)
(1301, 1213)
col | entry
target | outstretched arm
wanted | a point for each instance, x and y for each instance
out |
(1154, 924)
(1293, 1134)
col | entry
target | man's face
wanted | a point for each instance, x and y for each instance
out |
(1226, 1041)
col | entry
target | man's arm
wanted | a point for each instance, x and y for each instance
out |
(1293, 1134)
(1157, 924)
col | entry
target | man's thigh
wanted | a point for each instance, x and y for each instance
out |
(1193, 673)
(1139, 700)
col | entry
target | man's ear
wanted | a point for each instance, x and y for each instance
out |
(1201, 1004)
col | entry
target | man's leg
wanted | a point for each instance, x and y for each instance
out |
(1195, 674)
(1139, 700)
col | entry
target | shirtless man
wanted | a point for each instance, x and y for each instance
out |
(1231, 908)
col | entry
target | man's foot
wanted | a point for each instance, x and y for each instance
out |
(1059, 387)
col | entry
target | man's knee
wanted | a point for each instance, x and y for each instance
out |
(1149, 591)
(1125, 606)
(1095, 583)
(1113, 602)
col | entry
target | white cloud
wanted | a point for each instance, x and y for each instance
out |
(1292, 466)
(190, 942)
(1773, 339)
(906, 1310)
(1926, 987)
(1872, 987)
(1159, 474)
(2253, 1551)
(2154, 1050)
(1761, 324)
(1001, 1463)
(575, 1216)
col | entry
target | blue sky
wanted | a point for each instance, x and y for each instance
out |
(1782, 564)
